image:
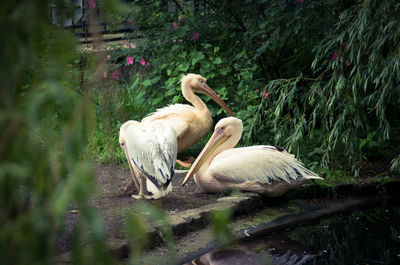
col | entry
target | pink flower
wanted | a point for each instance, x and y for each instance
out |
(142, 62)
(116, 74)
(347, 62)
(129, 60)
(128, 45)
(266, 94)
(105, 74)
(175, 24)
(299, 1)
(92, 3)
(108, 56)
(196, 36)
(335, 56)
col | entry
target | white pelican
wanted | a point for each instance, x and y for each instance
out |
(263, 169)
(191, 123)
(151, 150)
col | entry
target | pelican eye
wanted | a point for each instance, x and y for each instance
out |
(220, 129)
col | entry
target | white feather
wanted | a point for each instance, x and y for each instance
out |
(152, 147)
(265, 164)
(173, 114)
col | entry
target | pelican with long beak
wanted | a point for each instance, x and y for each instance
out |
(263, 169)
(191, 123)
(151, 151)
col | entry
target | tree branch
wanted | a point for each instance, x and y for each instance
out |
(178, 5)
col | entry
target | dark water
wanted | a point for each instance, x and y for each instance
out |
(362, 237)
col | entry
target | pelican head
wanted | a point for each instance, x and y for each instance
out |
(122, 143)
(197, 84)
(227, 134)
(122, 133)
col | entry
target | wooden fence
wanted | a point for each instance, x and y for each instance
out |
(78, 11)
(78, 21)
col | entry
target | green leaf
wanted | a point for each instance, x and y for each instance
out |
(176, 99)
(134, 84)
(171, 82)
(225, 71)
(197, 56)
(155, 80)
(140, 97)
(183, 67)
(169, 92)
(217, 60)
(157, 100)
(146, 82)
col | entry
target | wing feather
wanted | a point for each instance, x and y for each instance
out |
(172, 114)
(152, 147)
(265, 164)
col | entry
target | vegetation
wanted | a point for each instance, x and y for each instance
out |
(317, 77)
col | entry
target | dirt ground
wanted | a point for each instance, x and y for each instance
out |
(110, 180)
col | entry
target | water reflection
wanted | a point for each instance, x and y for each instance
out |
(276, 250)
(363, 237)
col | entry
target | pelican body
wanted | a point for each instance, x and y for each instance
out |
(263, 169)
(151, 151)
(191, 123)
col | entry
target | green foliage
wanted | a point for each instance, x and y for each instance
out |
(362, 87)
(396, 164)
(257, 57)
(239, 48)
(220, 225)
(138, 225)
(45, 167)
(55, 113)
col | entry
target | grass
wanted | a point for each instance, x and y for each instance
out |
(333, 177)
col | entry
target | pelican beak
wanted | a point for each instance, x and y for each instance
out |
(207, 91)
(216, 140)
(135, 180)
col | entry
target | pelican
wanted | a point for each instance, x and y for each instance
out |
(191, 123)
(151, 150)
(263, 169)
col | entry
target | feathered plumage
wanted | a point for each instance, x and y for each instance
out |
(191, 123)
(151, 150)
(264, 169)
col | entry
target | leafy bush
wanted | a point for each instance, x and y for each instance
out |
(239, 48)
(45, 168)
(317, 77)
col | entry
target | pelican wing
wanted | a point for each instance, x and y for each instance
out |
(152, 147)
(265, 164)
(177, 116)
